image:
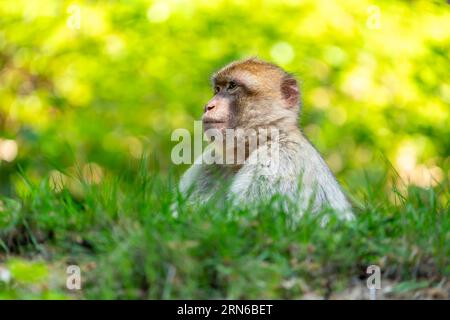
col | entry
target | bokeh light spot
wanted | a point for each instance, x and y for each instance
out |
(8, 150)
(159, 12)
(282, 53)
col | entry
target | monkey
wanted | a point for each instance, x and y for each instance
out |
(253, 94)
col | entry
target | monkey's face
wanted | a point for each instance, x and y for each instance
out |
(220, 112)
(248, 95)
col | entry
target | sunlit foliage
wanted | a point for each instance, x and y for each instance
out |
(97, 83)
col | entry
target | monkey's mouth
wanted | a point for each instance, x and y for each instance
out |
(212, 121)
(214, 124)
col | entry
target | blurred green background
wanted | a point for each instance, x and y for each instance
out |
(92, 85)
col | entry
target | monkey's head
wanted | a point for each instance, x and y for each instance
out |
(251, 94)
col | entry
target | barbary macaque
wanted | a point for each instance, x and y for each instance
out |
(252, 96)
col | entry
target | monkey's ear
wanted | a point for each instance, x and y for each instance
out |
(290, 91)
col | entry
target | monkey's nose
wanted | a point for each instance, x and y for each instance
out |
(209, 107)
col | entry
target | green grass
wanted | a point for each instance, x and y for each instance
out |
(129, 245)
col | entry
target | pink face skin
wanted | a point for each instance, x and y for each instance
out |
(218, 111)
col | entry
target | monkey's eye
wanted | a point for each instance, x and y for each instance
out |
(216, 89)
(232, 85)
